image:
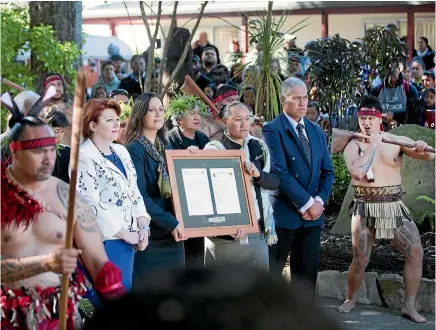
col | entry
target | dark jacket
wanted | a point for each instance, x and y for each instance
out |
(299, 179)
(428, 59)
(180, 142)
(160, 209)
(131, 85)
(62, 163)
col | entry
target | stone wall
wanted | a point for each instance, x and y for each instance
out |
(377, 289)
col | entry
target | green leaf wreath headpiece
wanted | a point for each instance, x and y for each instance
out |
(182, 104)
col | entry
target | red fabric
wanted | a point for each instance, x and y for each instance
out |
(18, 302)
(51, 79)
(430, 119)
(32, 144)
(108, 282)
(369, 113)
(224, 96)
(17, 205)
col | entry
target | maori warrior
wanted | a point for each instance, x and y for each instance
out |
(33, 259)
(378, 211)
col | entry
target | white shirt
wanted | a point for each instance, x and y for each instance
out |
(294, 124)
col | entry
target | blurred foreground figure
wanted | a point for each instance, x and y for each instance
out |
(212, 299)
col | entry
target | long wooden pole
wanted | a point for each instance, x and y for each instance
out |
(12, 84)
(79, 99)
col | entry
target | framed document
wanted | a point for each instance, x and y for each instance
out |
(211, 192)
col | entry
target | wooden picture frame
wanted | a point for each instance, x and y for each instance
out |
(213, 224)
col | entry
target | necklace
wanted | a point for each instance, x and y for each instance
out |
(114, 155)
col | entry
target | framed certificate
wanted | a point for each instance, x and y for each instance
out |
(211, 192)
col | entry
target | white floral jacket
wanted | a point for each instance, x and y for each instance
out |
(115, 199)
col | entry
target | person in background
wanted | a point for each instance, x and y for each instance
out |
(203, 42)
(428, 79)
(200, 79)
(58, 122)
(248, 97)
(99, 92)
(119, 95)
(237, 119)
(234, 54)
(236, 74)
(210, 91)
(108, 78)
(426, 53)
(61, 100)
(300, 157)
(91, 75)
(399, 100)
(417, 67)
(313, 112)
(146, 143)
(119, 66)
(107, 180)
(227, 297)
(132, 84)
(407, 75)
(209, 59)
(185, 112)
(428, 109)
(220, 75)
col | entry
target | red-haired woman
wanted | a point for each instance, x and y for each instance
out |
(107, 179)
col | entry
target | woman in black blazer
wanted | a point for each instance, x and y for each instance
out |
(146, 143)
(185, 113)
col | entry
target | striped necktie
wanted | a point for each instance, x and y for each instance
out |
(304, 142)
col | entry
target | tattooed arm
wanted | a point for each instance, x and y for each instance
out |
(87, 236)
(358, 166)
(17, 269)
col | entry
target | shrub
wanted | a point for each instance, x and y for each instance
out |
(342, 181)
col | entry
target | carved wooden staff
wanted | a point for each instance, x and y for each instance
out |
(191, 87)
(11, 84)
(79, 99)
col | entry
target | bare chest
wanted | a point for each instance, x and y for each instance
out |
(42, 236)
(387, 155)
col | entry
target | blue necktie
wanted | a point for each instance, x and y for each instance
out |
(304, 142)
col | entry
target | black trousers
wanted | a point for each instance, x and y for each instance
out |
(303, 245)
(194, 252)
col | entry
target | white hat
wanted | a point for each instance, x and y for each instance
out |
(290, 37)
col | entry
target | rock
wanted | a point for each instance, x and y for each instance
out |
(371, 288)
(333, 284)
(425, 301)
(343, 222)
(418, 176)
(392, 290)
(418, 179)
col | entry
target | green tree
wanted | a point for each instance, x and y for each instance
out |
(18, 38)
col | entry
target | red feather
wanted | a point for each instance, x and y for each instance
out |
(17, 205)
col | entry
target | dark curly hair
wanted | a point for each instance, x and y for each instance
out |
(370, 101)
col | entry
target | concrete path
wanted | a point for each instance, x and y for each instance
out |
(373, 317)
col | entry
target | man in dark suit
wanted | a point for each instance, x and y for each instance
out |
(299, 154)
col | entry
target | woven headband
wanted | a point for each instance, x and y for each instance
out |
(369, 113)
(51, 79)
(32, 144)
(224, 96)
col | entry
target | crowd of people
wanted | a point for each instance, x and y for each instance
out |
(126, 228)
